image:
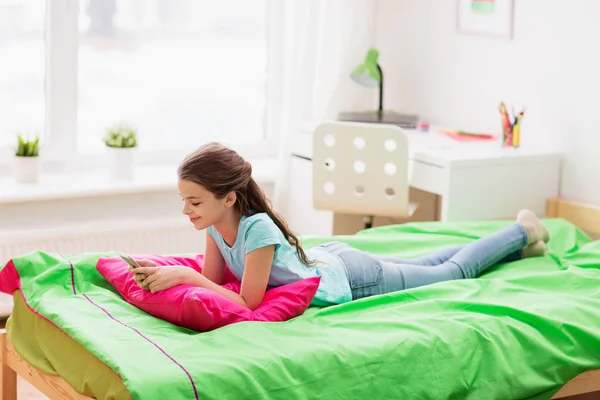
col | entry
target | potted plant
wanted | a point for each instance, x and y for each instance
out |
(121, 142)
(27, 161)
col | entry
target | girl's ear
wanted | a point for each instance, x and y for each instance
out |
(230, 199)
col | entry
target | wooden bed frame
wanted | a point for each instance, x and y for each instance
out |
(584, 216)
(13, 364)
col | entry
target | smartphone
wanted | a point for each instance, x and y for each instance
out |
(130, 261)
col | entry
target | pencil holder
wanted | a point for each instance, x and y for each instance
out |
(507, 136)
(511, 127)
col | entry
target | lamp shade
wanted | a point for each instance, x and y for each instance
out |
(368, 73)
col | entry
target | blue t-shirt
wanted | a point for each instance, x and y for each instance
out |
(258, 231)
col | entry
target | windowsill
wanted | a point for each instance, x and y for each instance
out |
(148, 178)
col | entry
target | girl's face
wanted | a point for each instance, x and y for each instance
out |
(201, 206)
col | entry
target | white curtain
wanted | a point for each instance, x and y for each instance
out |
(318, 43)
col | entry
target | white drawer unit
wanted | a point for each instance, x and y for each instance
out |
(427, 177)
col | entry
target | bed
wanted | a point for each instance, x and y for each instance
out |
(523, 330)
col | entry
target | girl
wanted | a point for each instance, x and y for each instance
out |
(246, 234)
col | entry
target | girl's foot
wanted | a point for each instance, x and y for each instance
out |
(538, 249)
(536, 231)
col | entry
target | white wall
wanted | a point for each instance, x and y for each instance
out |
(552, 66)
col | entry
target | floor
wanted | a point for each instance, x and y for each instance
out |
(27, 392)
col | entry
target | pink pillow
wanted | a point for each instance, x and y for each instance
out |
(203, 309)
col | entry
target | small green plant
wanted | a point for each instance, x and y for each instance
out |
(27, 147)
(121, 136)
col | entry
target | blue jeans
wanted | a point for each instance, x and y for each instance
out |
(371, 275)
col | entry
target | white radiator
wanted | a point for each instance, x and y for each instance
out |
(166, 236)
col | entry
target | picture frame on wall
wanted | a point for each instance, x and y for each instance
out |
(493, 18)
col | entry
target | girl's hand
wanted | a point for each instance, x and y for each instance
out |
(164, 277)
(138, 276)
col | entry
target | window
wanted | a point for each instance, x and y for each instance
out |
(22, 70)
(182, 72)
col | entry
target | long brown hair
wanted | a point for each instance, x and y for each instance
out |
(221, 170)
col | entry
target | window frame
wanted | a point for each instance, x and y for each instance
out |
(59, 149)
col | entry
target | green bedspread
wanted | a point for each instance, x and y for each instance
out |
(519, 332)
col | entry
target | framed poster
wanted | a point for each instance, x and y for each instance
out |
(486, 17)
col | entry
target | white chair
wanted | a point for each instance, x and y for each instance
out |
(361, 168)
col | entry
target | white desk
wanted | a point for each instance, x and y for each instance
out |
(475, 180)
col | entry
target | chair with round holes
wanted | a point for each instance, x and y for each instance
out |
(361, 168)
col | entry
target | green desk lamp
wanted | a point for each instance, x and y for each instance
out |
(369, 74)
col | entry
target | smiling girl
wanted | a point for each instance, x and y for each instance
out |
(247, 236)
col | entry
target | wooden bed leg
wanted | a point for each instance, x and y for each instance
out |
(8, 380)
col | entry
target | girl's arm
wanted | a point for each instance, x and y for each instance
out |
(213, 266)
(254, 281)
